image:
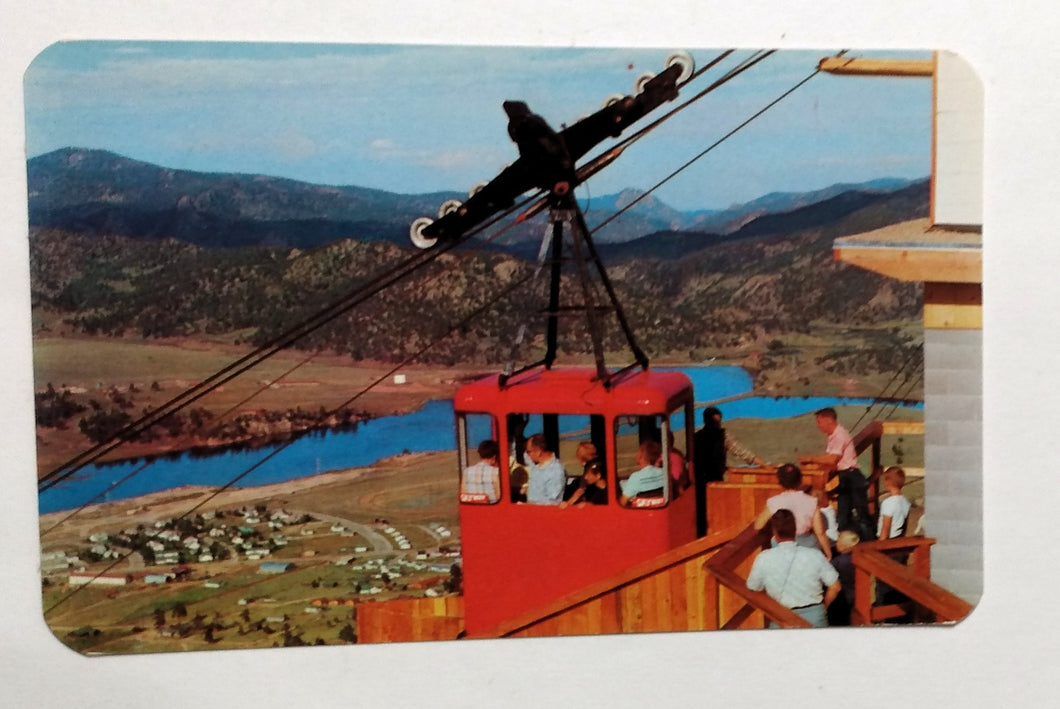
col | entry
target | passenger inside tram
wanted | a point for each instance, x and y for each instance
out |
(592, 486)
(679, 478)
(547, 477)
(583, 454)
(649, 480)
(481, 482)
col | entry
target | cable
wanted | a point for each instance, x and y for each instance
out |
(728, 76)
(381, 281)
(331, 312)
(718, 142)
(908, 360)
(488, 303)
(254, 394)
(115, 485)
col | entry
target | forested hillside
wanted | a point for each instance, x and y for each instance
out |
(723, 297)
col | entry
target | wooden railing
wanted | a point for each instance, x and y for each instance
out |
(700, 585)
(903, 564)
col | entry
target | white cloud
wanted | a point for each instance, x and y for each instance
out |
(387, 149)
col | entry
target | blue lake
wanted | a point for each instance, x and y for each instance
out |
(428, 429)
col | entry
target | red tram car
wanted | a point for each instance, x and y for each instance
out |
(520, 556)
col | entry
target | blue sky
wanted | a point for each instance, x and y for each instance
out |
(423, 118)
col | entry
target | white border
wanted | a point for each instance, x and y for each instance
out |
(999, 656)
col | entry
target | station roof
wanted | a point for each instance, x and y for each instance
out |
(917, 251)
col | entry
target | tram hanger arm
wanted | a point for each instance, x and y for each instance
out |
(547, 158)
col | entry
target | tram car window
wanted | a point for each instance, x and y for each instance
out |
(575, 439)
(478, 453)
(643, 471)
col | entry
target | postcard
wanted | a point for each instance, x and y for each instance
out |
(343, 344)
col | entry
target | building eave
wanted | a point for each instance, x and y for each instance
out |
(917, 252)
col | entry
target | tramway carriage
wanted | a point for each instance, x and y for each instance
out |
(519, 556)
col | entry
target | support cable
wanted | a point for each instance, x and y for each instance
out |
(378, 283)
(877, 399)
(247, 399)
(486, 305)
(118, 483)
(382, 281)
(716, 143)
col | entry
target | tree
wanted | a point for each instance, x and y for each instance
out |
(347, 634)
(103, 426)
(455, 582)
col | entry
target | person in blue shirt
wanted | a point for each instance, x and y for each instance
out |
(548, 478)
(649, 477)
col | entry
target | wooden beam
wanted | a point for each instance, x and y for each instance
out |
(903, 428)
(953, 306)
(959, 265)
(877, 67)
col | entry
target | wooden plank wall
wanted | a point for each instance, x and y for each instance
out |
(681, 596)
(813, 476)
(736, 504)
(410, 619)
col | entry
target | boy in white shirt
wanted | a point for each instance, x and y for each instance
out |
(894, 510)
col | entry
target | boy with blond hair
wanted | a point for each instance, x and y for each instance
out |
(894, 510)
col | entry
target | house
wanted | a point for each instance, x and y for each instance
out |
(54, 561)
(88, 579)
(274, 567)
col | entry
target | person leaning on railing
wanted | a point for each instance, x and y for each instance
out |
(840, 457)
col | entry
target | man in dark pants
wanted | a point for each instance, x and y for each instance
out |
(712, 444)
(846, 479)
(709, 462)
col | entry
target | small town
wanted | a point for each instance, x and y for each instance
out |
(250, 572)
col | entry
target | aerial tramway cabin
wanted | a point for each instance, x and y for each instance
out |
(519, 556)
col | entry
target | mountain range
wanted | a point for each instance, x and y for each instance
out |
(98, 192)
(120, 248)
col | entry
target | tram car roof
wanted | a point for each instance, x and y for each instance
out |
(576, 390)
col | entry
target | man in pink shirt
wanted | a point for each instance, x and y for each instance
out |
(846, 479)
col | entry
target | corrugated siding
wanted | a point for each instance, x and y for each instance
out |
(953, 451)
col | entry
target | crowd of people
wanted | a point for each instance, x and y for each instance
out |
(808, 568)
